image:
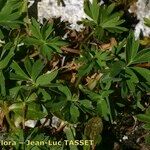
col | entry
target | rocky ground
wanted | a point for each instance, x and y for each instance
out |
(72, 11)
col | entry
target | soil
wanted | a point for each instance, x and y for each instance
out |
(125, 134)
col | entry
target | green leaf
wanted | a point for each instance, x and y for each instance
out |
(102, 58)
(37, 69)
(17, 106)
(95, 10)
(142, 56)
(117, 49)
(70, 136)
(87, 10)
(124, 89)
(35, 29)
(47, 29)
(145, 73)
(4, 62)
(10, 13)
(143, 117)
(2, 84)
(132, 75)
(85, 69)
(116, 68)
(146, 126)
(86, 103)
(28, 65)
(43, 39)
(19, 71)
(32, 41)
(46, 78)
(131, 86)
(111, 8)
(14, 76)
(14, 91)
(46, 51)
(1, 34)
(74, 113)
(102, 18)
(65, 90)
(35, 112)
(102, 108)
(32, 97)
(46, 95)
(131, 48)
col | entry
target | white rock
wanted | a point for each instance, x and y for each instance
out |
(125, 137)
(30, 123)
(55, 122)
(73, 12)
(143, 10)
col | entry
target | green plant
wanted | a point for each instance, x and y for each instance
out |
(146, 120)
(11, 12)
(103, 19)
(127, 69)
(118, 68)
(42, 38)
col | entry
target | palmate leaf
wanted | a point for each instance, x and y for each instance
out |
(101, 99)
(31, 72)
(133, 55)
(134, 76)
(102, 18)
(102, 58)
(10, 13)
(42, 38)
(92, 9)
(126, 68)
(142, 56)
(19, 71)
